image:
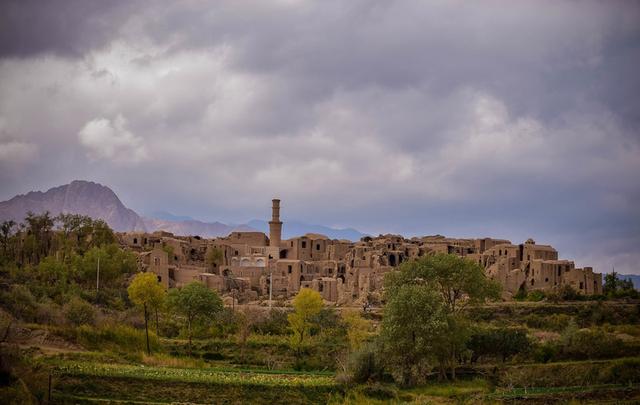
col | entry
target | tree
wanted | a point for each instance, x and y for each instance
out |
(460, 281)
(246, 319)
(614, 287)
(307, 306)
(6, 229)
(39, 227)
(445, 282)
(213, 259)
(358, 329)
(114, 262)
(196, 303)
(414, 319)
(145, 291)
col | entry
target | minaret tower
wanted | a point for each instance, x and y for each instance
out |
(275, 225)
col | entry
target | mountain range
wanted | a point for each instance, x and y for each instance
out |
(98, 201)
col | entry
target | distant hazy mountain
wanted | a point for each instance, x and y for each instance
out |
(167, 216)
(192, 227)
(98, 201)
(635, 279)
(78, 197)
(291, 229)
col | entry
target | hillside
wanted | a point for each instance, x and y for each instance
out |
(78, 197)
(193, 227)
(100, 202)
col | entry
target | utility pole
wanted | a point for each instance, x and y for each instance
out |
(270, 287)
(98, 277)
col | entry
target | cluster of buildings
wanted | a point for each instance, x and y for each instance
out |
(251, 265)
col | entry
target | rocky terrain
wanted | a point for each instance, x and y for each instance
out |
(77, 197)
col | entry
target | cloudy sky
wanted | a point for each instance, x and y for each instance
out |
(493, 118)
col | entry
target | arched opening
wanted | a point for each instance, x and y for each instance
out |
(135, 241)
(533, 281)
(392, 260)
(283, 254)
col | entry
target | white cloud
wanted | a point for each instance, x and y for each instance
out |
(111, 140)
(16, 153)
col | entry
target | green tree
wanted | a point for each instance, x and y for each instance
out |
(6, 230)
(145, 291)
(307, 306)
(196, 303)
(614, 287)
(40, 228)
(114, 263)
(414, 319)
(457, 282)
(460, 281)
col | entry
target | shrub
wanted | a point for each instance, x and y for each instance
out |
(119, 338)
(380, 391)
(225, 324)
(366, 364)
(20, 303)
(79, 312)
(582, 344)
(553, 322)
(521, 294)
(546, 352)
(275, 323)
(536, 296)
(498, 342)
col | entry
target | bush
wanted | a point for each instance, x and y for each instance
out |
(275, 323)
(546, 352)
(623, 371)
(536, 296)
(521, 294)
(584, 344)
(119, 338)
(553, 322)
(225, 324)
(380, 391)
(20, 303)
(498, 342)
(79, 312)
(366, 365)
(581, 344)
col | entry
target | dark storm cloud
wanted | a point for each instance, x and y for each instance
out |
(66, 27)
(489, 118)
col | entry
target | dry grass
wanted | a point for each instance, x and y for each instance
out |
(164, 360)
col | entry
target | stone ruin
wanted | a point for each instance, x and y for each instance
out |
(253, 265)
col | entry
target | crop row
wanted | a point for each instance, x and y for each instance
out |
(193, 375)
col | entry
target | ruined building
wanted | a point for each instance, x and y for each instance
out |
(251, 264)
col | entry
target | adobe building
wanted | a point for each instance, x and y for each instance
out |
(253, 264)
